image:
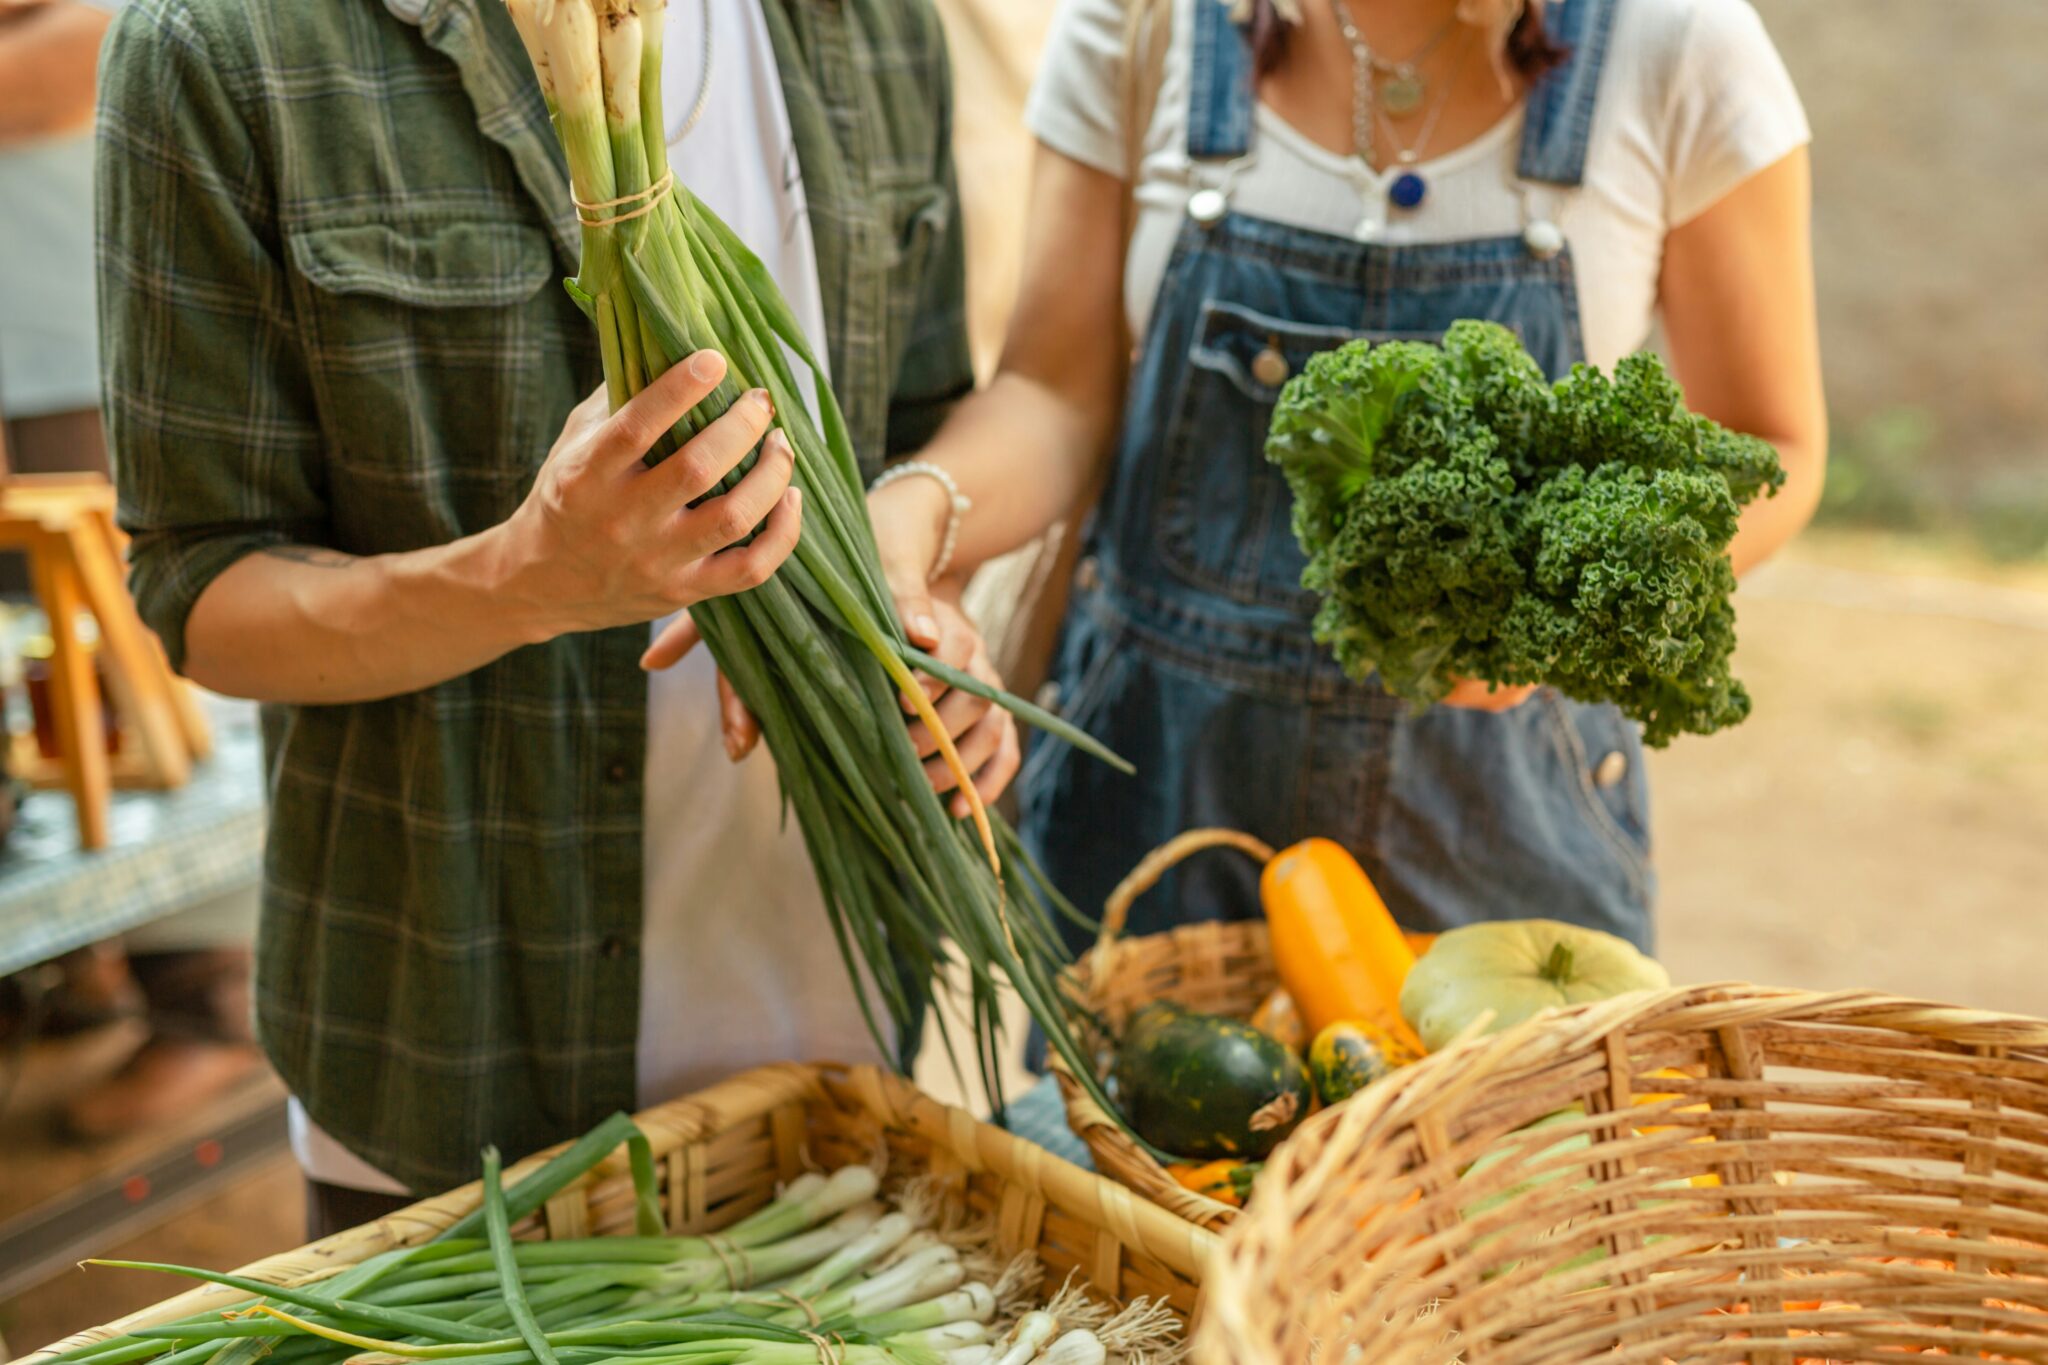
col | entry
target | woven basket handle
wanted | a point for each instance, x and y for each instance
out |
(1163, 859)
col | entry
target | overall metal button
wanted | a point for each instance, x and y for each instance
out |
(1612, 770)
(1207, 207)
(1270, 367)
(1543, 238)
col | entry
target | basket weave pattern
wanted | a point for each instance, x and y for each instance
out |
(722, 1153)
(1214, 967)
(1872, 1180)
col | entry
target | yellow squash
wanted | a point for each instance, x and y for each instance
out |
(1338, 951)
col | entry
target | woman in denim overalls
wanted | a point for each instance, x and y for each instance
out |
(1188, 645)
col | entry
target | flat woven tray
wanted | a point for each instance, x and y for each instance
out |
(722, 1153)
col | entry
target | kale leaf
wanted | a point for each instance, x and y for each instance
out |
(1465, 518)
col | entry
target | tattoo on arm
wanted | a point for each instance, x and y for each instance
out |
(312, 555)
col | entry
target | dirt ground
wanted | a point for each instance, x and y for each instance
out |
(1882, 818)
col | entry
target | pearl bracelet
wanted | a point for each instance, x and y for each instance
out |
(958, 506)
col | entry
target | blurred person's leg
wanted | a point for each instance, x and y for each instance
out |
(81, 992)
(194, 972)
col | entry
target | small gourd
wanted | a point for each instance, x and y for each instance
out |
(1348, 1056)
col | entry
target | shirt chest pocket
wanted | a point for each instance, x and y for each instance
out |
(438, 359)
(1225, 515)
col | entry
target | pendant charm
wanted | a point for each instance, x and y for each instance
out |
(1402, 92)
(1207, 207)
(1543, 238)
(1407, 191)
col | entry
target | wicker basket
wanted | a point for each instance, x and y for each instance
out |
(722, 1153)
(1214, 967)
(1851, 1177)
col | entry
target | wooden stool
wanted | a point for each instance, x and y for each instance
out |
(65, 524)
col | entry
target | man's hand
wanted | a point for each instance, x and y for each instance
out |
(603, 540)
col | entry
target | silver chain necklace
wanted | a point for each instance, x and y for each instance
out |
(1411, 153)
(703, 100)
(1367, 116)
(1400, 87)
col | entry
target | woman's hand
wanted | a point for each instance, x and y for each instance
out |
(910, 517)
(1474, 694)
(736, 723)
(984, 734)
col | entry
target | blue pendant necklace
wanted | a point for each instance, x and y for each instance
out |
(1406, 90)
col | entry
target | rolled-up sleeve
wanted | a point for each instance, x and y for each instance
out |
(210, 418)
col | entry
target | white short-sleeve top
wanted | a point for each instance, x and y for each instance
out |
(1693, 100)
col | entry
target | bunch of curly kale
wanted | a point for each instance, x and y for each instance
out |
(1465, 518)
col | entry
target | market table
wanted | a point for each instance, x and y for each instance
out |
(168, 851)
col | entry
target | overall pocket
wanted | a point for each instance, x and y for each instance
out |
(1224, 518)
(1604, 751)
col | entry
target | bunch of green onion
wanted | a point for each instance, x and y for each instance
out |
(817, 654)
(826, 1274)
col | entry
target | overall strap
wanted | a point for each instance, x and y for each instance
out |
(1558, 121)
(1221, 93)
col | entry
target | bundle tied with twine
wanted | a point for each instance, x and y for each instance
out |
(817, 653)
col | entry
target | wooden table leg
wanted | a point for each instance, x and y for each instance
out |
(74, 692)
(141, 682)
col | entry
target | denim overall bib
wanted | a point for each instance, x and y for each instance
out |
(1188, 646)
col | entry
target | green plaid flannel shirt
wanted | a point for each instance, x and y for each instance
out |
(331, 244)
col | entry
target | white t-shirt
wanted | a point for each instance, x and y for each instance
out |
(738, 963)
(1693, 101)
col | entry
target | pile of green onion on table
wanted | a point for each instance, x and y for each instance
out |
(817, 653)
(827, 1274)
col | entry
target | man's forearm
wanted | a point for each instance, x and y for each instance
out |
(49, 55)
(296, 623)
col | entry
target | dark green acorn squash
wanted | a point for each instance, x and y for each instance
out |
(1202, 1086)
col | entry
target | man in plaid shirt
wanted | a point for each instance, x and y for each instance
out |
(343, 401)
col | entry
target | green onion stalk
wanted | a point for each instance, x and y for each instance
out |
(812, 1277)
(822, 1274)
(817, 653)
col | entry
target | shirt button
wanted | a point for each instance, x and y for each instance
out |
(1088, 575)
(613, 948)
(1612, 769)
(618, 771)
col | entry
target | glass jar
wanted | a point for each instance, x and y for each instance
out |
(38, 676)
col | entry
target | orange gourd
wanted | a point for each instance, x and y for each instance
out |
(1278, 1018)
(1338, 951)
